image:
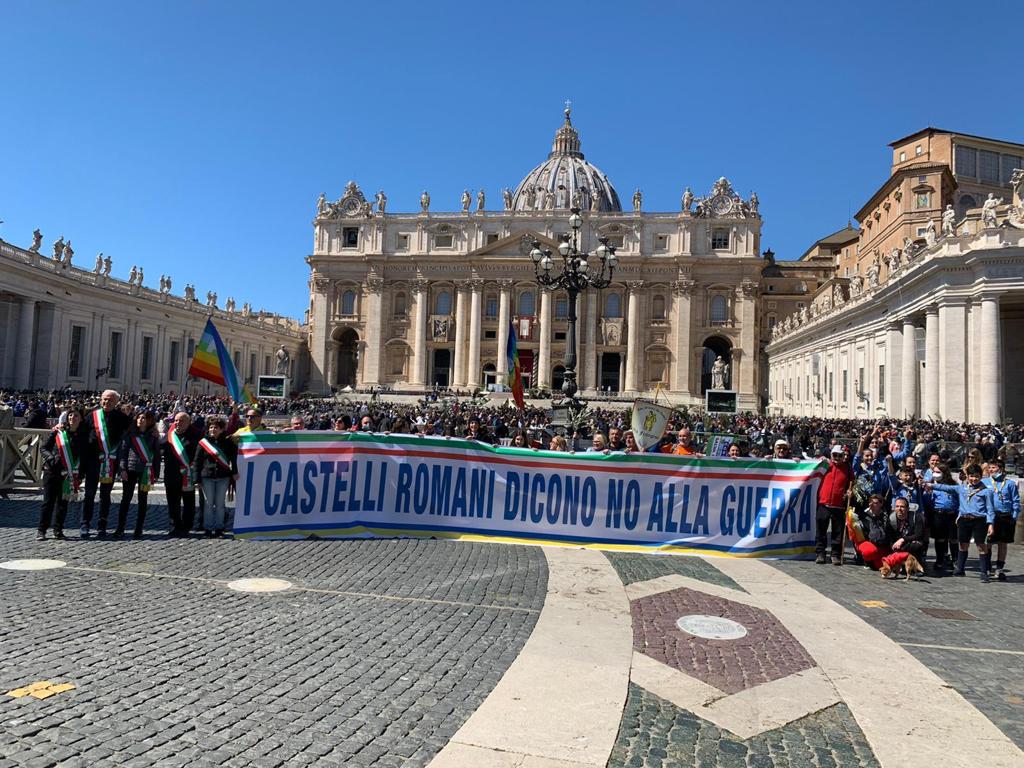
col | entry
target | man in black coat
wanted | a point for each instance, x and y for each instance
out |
(179, 451)
(107, 426)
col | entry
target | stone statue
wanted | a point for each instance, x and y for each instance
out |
(949, 221)
(246, 309)
(802, 314)
(68, 254)
(988, 210)
(838, 297)
(229, 305)
(163, 283)
(873, 271)
(382, 201)
(133, 274)
(894, 260)
(531, 198)
(856, 285)
(283, 359)
(506, 198)
(480, 200)
(929, 233)
(107, 264)
(638, 199)
(37, 241)
(168, 290)
(58, 249)
(754, 204)
(211, 299)
(138, 279)
(719, 374)
(425, 201)
(687, 199)
(467, 200)
(595, 201)
(321, 205)
(190, 292)
(99, 264)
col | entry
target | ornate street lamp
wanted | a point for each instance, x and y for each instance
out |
(578, 272)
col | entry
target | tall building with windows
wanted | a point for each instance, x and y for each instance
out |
(423, 299)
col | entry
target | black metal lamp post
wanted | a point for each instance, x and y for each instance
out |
(579, 271)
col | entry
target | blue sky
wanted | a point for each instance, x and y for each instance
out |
(193, 138)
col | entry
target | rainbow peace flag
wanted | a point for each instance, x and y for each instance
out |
(213, 363)
(515, 373)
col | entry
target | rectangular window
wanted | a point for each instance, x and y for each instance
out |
(1010, 163)
(719, 239)
(443, 241)
(988, 166)
(266, 364)
(403, 243)
(966, 161)
(238, 361)
(492, 237)
(846, 391)
(917, 150)
(881, 383)
(559, 335)
(830, 386)
(349, 237)
(75, 357)
(903, 157)
(252, 367)
(616, 241)
(172, 363)
(860, 379)
(491, 310)
(922, 199)
(146, 370)
(921, 231)
(114, 355)
(661, 242)
(490, 334)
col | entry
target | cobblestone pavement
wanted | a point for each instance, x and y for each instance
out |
(633, 568)
(656, 734)
(376, 658)
(993, 682)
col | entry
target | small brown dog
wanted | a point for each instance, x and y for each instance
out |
(911, 566)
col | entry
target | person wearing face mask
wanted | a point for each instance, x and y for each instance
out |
(1007, 498)
(945, 505)
(977, 516)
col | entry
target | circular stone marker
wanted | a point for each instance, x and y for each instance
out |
(711, 627)
(32, 565)
(259, 585)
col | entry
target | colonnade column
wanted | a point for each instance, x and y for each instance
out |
(473, 364)
(504, 302)
(372, 289)
(908, 360)
(930, 400)
(893, 369)
(322, 349)
(990, 343)
(682, 290)
(589, 365)
(953, 375)
(633, 335)
(544, 366)
(25, 344)
(421, 291)
(459, 375)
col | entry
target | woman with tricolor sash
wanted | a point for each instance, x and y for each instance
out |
(179, 451)
(62, 472)
(216, 467)
(140, 467)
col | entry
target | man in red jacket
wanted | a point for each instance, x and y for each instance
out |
(832, 500)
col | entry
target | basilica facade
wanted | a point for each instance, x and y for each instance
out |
(413, 301)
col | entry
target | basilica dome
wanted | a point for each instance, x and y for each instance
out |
(564, 179)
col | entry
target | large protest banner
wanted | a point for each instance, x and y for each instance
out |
(330, 484)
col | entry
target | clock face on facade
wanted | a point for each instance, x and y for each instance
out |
(720, 205)
(351, 207)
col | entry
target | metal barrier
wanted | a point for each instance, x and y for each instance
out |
(21, 458)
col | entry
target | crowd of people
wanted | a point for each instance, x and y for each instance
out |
(909, 483)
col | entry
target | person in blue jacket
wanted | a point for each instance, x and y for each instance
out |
(1007, 497)
(945, 505)
(976, 519)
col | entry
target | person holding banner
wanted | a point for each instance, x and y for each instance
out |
(179, 452)
(62, 477)
(106, 426)
(216, 467)
(833, 497)
(139, 460)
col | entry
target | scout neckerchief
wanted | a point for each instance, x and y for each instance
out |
(998, 487)
(99, 421)
(148, 476)
(67, 458)
(179, 452)
(217, 454)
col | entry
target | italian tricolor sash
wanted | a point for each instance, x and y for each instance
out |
(148, 477)
(216, 453)
(99, 421)
(179, 453)
(67, 458)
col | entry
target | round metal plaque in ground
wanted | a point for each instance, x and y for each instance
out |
(711, 627)
(32, 565)
(259, 585)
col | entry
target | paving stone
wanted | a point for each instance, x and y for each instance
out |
(634, 567)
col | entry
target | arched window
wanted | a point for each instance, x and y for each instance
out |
(561, 307)
(613, 305)
(400, 310)
(443, 303)
(491, 305)
(348, 303)
(719, 310)
(658, 308)
(964, 204)
(526, 304)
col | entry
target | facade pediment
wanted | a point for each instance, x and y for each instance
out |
(512, 244)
